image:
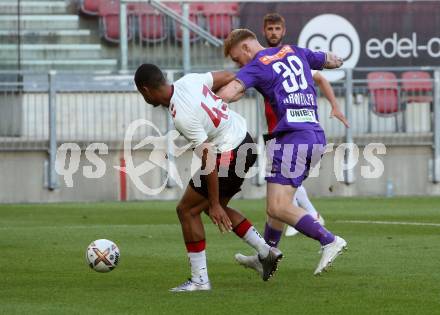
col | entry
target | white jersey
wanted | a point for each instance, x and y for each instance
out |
(200, 115)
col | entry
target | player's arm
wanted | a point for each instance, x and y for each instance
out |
(251, 75)
(192, 129)
(332, 61)
(216, 212)
(319, 60)
(329, 94)
(232, 92)
(220, 79)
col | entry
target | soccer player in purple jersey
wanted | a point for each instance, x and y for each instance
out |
(274, 31)
(283, 76)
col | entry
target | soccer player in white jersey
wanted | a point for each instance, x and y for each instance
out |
(219, 137)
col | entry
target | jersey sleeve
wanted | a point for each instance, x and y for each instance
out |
(207, 79)
(316, 59)
(250, 75)
(192, 130)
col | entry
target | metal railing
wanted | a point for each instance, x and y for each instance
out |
(45, 110)
(175, 35)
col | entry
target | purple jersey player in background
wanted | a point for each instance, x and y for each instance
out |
(282, 75)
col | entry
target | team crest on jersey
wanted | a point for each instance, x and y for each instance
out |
(279, 55)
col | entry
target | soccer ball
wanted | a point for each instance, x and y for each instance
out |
(102, 255)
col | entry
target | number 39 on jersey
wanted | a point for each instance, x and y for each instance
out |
(293, 72)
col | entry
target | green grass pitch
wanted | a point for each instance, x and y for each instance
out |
(388, 269)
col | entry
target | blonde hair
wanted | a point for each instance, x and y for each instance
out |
(236, 37)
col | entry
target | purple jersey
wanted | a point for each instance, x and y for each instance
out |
(283, 76)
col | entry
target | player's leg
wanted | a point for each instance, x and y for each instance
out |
(279, 206)
(304, 202)
(303, 151)
(302, 199)
(243, 228)
(289, 156)
(272, 235)
(273, 231)
(273, 228)
(291, 231)
(267, 258)
(188, 211)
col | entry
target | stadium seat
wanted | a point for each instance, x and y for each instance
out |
(109, 21)
(384, 95)
(220, 18)
(151, 23)
(89, 7)
(194, 16)
(417, 89)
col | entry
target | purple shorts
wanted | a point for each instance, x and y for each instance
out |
(291, 155)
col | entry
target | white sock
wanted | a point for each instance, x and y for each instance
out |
(199, 270)
(295, 201)
(254, 239)
(304, 201)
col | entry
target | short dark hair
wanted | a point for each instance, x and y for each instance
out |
(273, 18)
(236, 37)
(149, 75)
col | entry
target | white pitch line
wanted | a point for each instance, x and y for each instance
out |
(91, 226)
(389, 222)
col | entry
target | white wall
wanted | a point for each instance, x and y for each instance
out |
(22, 177)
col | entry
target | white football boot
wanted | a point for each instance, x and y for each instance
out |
(291, 231)
(250, 262)
(265, 267)
(191, 286)
(329, 254)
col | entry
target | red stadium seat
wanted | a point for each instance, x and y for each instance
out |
(151, 23)
(220, 18)
(384, 92)
(89, 7)
(109, 21)
(417, 87)
(384, 95)
(194, 16)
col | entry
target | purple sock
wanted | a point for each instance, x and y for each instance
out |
(272, 236)
(308, 226)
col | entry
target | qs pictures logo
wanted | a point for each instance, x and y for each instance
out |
(331, 32)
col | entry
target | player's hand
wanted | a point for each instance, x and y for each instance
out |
(220, 218)
(339, 115)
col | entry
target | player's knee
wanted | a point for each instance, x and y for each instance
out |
(274, 211)
(181, 212)
(276, 205)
